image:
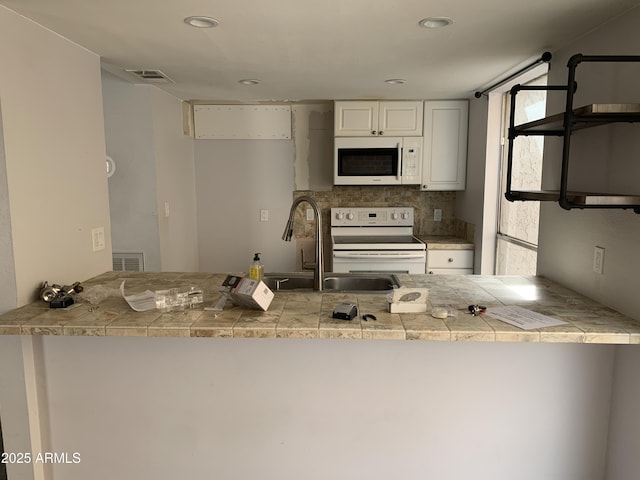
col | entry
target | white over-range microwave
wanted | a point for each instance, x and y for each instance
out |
(377, 161)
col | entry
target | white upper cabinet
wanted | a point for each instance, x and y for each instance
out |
(445, 145)
(400, 119)
(373, 118)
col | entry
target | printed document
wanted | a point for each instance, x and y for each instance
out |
(522, 317)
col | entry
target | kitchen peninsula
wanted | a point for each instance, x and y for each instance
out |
(143, 395)
(307, 314)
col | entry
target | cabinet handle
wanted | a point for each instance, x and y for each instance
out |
(380, 132)
(425, 186)
(450, 260)
(373, 132)
(431, 273)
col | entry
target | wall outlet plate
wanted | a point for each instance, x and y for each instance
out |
(437, 214)
(598, 260)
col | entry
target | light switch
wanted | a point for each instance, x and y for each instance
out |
(264, 215)
(97, 238)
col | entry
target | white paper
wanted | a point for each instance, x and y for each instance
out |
(523, 318)
(140, 302)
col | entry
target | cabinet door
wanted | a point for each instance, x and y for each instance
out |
(356, 119)
(445, 145)
(400, 119)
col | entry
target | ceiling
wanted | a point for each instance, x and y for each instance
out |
(321, 49)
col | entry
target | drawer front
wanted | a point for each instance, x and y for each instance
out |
(449, 259)
(450, 271)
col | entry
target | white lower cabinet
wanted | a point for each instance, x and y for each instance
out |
(450, 262)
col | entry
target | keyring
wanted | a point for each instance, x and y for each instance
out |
(476, 310)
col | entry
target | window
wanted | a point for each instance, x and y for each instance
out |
(517, 232)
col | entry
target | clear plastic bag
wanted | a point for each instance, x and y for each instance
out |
(97, 293)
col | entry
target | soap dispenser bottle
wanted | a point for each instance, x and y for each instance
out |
(256, 270)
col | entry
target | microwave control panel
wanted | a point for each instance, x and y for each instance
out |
(411, 160)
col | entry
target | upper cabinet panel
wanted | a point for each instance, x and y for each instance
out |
(373, 118)
(445, 145)
(400, 119)
(356, 119)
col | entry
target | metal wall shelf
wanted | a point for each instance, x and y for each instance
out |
(563, 125)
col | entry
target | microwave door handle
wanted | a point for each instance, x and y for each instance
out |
(398, 176)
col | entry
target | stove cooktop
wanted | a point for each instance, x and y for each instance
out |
(377, 242)
(374, 239)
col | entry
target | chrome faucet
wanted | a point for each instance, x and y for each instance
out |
(318, 272)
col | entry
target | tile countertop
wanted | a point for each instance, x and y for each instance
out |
(444, 242)
(308, 314)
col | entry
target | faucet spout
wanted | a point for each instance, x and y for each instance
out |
(318, 272)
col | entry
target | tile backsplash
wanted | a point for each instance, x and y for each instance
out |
(388, 196)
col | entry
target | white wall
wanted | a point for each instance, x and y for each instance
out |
(132, 188)
(8, 293)
(312, 127)
(55, 155)
(567, 238)
(175, 179)
(235, 179)
(154, 165)
(470, 203)
(238, 178)
(290, 409)
(13, 404)
(623, 462)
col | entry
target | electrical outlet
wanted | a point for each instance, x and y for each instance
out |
(598, 260)
(264, 215)
(166, 210)
(310, 214)
(437, 214)
(97, 238)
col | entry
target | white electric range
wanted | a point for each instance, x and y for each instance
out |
(376, 240)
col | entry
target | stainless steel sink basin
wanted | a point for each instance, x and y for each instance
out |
(333, 282)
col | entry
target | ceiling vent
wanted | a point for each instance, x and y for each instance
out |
(151, 76)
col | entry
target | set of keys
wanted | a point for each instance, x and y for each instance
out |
(476, 310)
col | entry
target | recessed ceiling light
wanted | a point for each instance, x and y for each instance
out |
(249, 81)
(435, 22)
(396, 81)
(200, 21)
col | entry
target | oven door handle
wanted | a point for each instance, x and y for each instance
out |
(390, 256)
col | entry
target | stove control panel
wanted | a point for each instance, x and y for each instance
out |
(382, 217)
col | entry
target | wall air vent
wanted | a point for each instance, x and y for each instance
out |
(151, 76)
(128, 262)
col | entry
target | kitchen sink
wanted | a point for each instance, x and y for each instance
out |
(333, 282)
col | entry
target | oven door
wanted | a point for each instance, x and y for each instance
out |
(368, 161)
(379, 261)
